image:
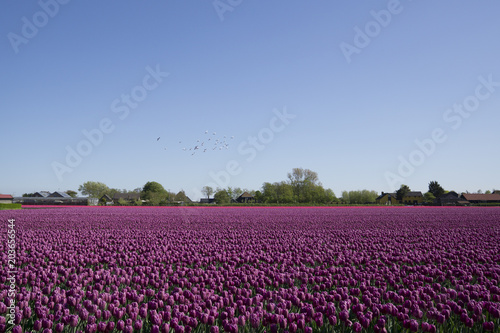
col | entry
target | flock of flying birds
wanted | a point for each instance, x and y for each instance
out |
(210, 143)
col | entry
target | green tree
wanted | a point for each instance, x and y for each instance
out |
(237, 192)
(284, 192)
(330, 196)
(487, 192)
(259, 197)
(122, 202)
(303, 182)
(112, 191)
(28, 195)
(154, 193)
(359, 197)
(345, 199)
(93, 189)
(208, 191)
(436, 189)
(71, 193)
(222, 197)
(429, 198)
(269, 194)
(401, 193)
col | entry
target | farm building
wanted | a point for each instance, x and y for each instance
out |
(54, 198)
(413, 198)
(129, 197)
(41, 194)
(58, 194)
(448, 199)
(475, 198)
(52, 201)
(245, 198)
(387, 199)
(106, 199)
(6, 198)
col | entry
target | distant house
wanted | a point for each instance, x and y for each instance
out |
(58, 194)
(130, 197)
(41, 194)
(413, 198)
(475, 198)
(387, 199)
(448, 199)
(106, 199)
(245, 198)
(56, 199)
(181, 199)
(207, 201)
(6, 198)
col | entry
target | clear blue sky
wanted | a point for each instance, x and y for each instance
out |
(359, 100)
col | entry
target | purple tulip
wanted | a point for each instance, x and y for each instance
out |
(165, 328)
(344, 315)
(414, 325)
(489, 326)
(91, 328)
(138, 324)
(120, 325)
(59, 327)
(110, 326)
(46, 323)
(37, 325)
(469, 322)
(101, 326)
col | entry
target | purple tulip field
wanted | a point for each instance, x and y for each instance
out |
(213, 269)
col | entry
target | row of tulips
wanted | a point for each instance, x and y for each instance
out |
(254, 270)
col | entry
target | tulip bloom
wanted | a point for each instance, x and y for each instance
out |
(489, 326)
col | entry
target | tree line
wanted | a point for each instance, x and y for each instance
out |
(302, 186)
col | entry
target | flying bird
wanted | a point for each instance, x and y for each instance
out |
(158, 139)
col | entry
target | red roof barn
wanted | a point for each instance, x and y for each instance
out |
(6, 198)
